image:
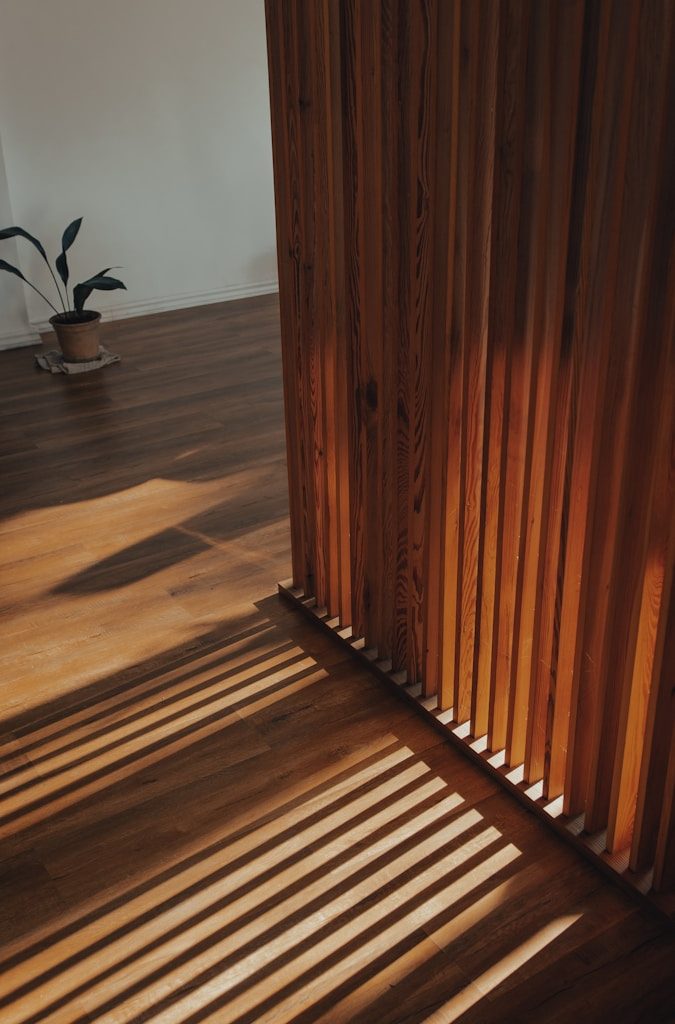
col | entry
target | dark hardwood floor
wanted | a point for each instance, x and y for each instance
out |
(206, 812)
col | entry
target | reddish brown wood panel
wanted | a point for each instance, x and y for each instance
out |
(475, 213)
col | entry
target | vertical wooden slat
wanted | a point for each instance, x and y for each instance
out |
(544, 369)
(394, 616)
(509, 118)
(445, 172)
(421, 143)
(451, 694)
(564, 72)
(370, 147)
(664, 868)
(657, 818)
(311, 364)
(550, 683)
(587, 350)
(639, 466)
(664, 852)
(405, 248)
(337, 374)
(485, 32)
(654, 666)
(278, 57)
(642, 675)
(528, 257)
(320, 260)
(637, 795)
(298, 145)
(354, 241)
(649, 500)
(579, 647)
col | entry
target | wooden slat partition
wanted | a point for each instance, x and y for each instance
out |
(476, 222)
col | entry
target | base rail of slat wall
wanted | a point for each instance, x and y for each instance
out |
(613, 866)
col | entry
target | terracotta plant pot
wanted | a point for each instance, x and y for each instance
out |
(80, 341)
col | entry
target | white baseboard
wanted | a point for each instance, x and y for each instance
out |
(185, 300)
(18, 339)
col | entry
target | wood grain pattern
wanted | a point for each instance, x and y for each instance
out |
(644, 198)
(420, 151)
(506, 195)
(545, 350)
(507, 180)
(281, 149)
(445, 39)
(565, 72)
(393, 637)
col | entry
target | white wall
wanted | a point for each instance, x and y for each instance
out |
(14, 327)
(150, 118)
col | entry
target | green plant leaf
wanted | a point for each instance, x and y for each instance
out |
(81, 292)
(100, 282)
(11, 269)
(20, 233)
(69, 236)
(4, 265)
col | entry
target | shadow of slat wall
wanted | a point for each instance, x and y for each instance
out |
(475, 212)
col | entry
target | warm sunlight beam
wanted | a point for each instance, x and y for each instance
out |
(479, 987)
(322, 930)
(232, 871)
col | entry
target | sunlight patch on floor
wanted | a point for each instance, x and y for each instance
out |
(508, 965)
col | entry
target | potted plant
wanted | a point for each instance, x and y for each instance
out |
(77, 329)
